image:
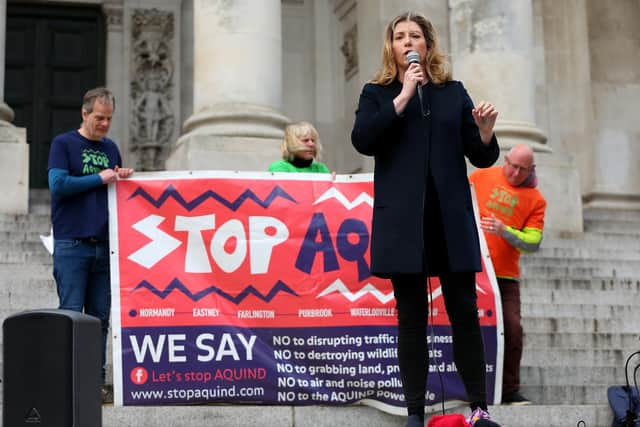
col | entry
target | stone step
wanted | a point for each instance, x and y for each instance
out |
(598, 415)
(39, 195)
(38, 257)
(582, 311)
(41, 225)
(572, 375)
(566, 394)
(23, 246)
(323, 416)
(571, 325)
(533, 295)
(619, 225)
(592, 394)
(611, 217)
(617, 284)
(587, 271)
(611, 214)
(33, 236)
(555, 415)
(594, 239)
(575, 357)
(42, 277)
(582, 340)
(23, 219)
(578, 262)
(18, 273)
(15, 298)
(40, 208)
(575, 252)
(35, 297)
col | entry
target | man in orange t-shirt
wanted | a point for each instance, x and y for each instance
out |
(512, 218)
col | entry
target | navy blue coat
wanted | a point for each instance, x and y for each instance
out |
(423, 218)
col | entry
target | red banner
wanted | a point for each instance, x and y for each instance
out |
(255, 287)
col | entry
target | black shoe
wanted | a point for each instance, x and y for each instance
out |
(515, 398)
(106, 391)
(415, 421)
(486, 423)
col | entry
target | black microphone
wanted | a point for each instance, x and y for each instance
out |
(413, 57)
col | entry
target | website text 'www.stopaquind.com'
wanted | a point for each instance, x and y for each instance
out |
(198, 394)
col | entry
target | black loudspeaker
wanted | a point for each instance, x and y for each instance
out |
(52, 365)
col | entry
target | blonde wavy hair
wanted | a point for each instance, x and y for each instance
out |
(437, 65)
(291, 143)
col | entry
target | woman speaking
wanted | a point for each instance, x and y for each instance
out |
(419, 125)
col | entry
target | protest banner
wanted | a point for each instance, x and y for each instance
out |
(255, 288)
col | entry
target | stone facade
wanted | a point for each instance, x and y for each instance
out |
(14, 152)
(210, 84)
(152, 122)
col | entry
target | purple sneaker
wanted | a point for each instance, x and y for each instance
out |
(478, 414)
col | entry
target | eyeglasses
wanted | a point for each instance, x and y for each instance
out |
(518, 168)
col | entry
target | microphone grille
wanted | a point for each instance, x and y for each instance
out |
(413, 57)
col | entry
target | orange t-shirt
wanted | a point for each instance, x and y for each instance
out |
(516, 207)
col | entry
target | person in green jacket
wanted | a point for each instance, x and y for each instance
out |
(301, 148)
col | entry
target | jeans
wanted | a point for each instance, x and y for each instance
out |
(459, 293)
(81, 270)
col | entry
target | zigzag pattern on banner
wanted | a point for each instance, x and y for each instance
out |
(333, 193)
(177, 285)
(171, 191)
(339, 287)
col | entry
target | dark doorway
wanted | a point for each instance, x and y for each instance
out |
(54, 54)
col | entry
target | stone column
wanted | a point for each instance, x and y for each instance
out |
(116, 75)
(614, 56)
(492, 53)
(14, 151)
(6, 113)
(567, 93)
(492, 49)
(237, 90)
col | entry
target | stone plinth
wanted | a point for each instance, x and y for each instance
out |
(14, 169)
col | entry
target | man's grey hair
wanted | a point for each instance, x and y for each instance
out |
(102, 94)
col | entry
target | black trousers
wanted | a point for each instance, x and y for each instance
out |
(458, 290)
(513, 335)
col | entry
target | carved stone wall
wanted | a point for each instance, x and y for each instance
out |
(350, 31)
(113, 14)
(152, 118)
(349, 49)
